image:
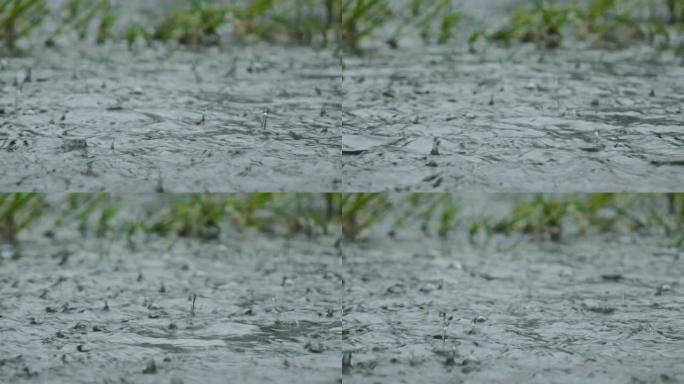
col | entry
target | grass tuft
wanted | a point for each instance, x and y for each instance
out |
(19, 212)
(19, 18)
(349, 217)
(614, 23)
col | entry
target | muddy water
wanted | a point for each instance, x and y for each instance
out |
(235, 118)
(265, 311)
(517, 119)
(594, 310)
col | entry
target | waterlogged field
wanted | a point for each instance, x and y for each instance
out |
(523, 289)
(167, 288)
(248, 310)
(599, 309)
(327, 288)
(360, 95)
(519, 108)
(109, 119)
(205, 116)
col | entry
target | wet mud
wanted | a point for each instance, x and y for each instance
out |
(602, 310)
(512, 119)
(248, 310)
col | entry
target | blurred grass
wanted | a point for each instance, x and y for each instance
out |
(310, 22)
(19, 212)
(351, 217)
(609, 23)
(552, 217)
(347, 24)
(87, 17)
(19, 18)
(431, 19)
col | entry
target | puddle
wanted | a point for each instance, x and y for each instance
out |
(266, 310)
(575, 119)
(590, 310)
(108, 118)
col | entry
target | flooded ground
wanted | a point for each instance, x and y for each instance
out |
(605, 310)
(408, 309)
(236, 118)
(268, 118)
(265, 311)
(517, 119)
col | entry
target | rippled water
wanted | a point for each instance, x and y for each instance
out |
(594, 310)
(517, 119)
(265, 311)
(235, 118)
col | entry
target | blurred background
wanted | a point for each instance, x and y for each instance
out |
(349, 216)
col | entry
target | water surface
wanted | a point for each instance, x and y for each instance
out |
(578, 118)
(593, 310)
(238, 118)
(83, 311)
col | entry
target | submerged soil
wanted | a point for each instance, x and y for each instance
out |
(512, 119)
(107, 118)
(265, 311)
(592, 310)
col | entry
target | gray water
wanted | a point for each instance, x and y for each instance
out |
(83, 311)
(268, 118)
(113, 119)
(602, 310)
(254, 117)
(250, 308)
(512, 119)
